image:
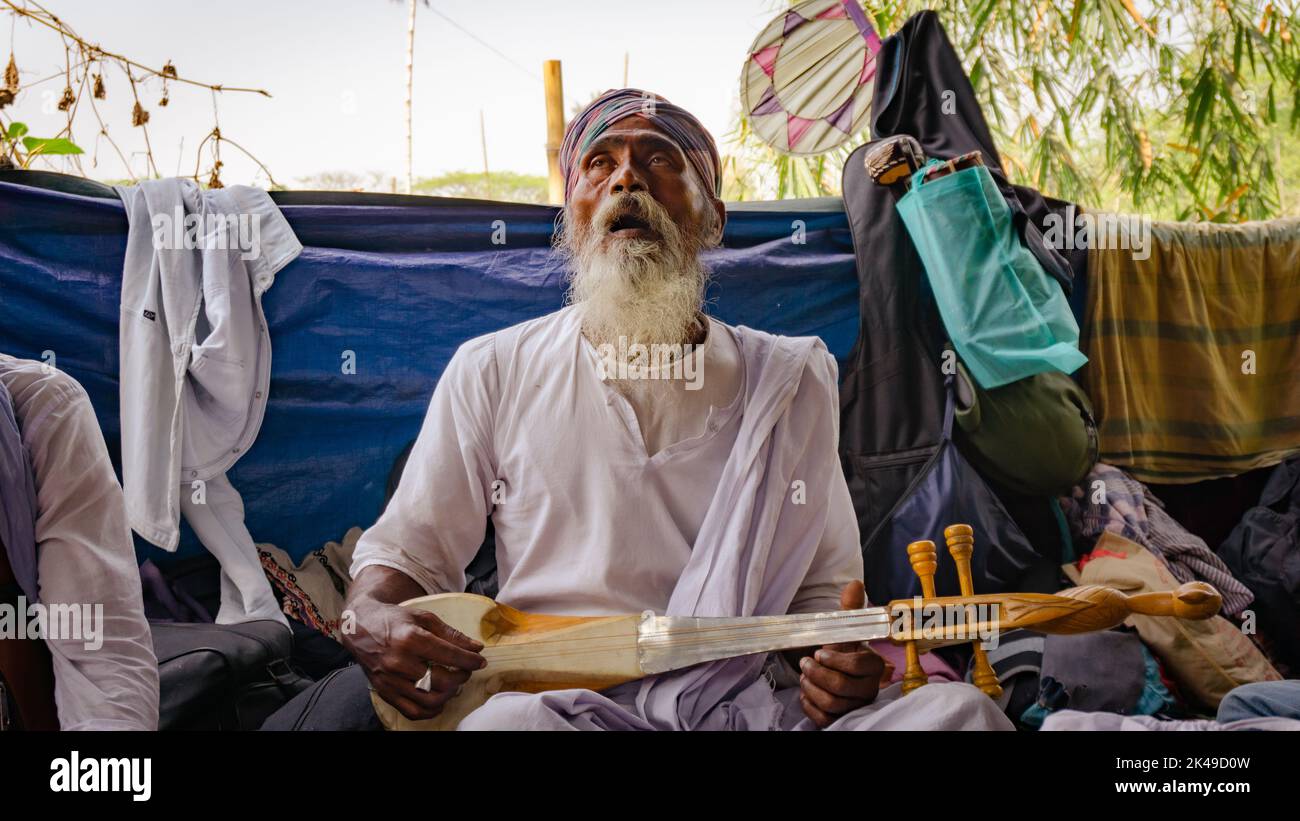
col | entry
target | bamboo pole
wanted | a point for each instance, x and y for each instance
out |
(554, 128)
(482, 136)
(410, 89)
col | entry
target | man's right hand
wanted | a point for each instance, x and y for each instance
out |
(395, 646)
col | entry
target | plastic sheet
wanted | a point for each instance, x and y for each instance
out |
(394, 289)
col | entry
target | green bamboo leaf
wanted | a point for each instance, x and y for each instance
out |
(981, 20)
(1237, 46)
(1204, 106)
(977, 73)
(1200, 89)
(1074, 20)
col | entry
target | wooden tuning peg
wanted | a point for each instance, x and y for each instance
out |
(925, 560)
(961, 544)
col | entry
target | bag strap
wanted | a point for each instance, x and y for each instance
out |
(949, 405)
(286, 679)
(918, 176)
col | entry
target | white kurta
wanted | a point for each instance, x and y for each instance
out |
(84, 554)
(522, 428)
(670, 410)
(588, 523)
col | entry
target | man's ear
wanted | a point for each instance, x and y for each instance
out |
(720, 208)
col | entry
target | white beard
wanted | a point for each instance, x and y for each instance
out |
(643, 291)
(624, 292)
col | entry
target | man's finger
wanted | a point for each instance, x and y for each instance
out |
(857, 661)
(835, 682)
(443, 679)
(401, 665)
(853, 596)
(430, 703)
(442, 630)
(828, 703)
(389, 690)
(426, 646)
(811, 710)
(845, 647)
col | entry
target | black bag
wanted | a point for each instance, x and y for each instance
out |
(1263, 551)
(223, 676)
(892, 395)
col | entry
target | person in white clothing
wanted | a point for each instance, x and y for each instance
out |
(107, 677)
(633, 454)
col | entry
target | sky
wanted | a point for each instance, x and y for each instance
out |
(336, 73)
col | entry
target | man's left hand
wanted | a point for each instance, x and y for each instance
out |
(840, 678)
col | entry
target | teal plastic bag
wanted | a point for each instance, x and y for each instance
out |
(1005, 316)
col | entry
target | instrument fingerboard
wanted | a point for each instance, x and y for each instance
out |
(672, 642)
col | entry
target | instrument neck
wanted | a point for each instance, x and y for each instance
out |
(672, 642)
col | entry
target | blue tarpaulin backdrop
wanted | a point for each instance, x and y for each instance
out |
(400, 286)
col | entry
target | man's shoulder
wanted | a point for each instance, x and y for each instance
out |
(37, 386)
(499, 351)
(543, 331)
(764, 345)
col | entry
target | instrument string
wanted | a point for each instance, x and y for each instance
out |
(727, 632)
(816, 622)
(681, 638)
(686, 638)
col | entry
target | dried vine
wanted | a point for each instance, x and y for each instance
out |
(85, 65)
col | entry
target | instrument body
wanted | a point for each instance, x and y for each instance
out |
(533, 653)
(525, 652)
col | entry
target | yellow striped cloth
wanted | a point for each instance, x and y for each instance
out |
(1194, 352)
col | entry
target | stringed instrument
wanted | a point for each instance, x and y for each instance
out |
(532, 653)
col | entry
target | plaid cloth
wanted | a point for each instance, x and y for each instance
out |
(1193, 352)
(1131, 511)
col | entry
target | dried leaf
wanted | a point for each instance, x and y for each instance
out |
(1236, 195)
(169, 70)
(214, 181)
(11, 75)
(138, 115)
(68, 98)
(98, 89)
(6, 97)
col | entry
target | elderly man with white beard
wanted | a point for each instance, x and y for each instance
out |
(620, 486)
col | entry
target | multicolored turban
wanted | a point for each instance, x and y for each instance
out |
(619, 104)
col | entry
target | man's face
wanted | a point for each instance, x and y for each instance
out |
(634, 226)
(631, 156)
